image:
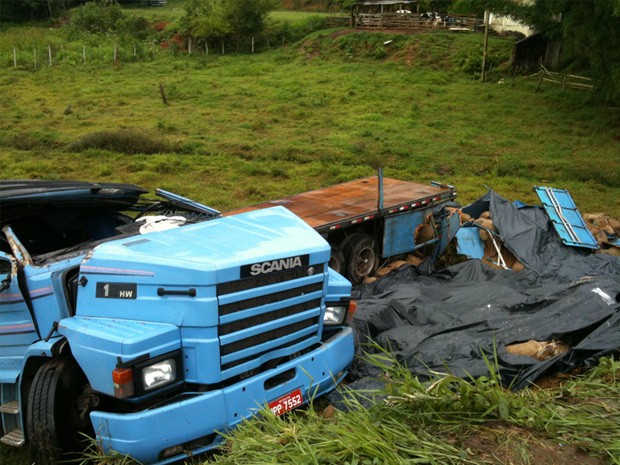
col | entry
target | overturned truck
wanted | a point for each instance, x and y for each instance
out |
(120, 315)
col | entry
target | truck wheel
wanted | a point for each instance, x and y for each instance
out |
(53, 421)
(361, 255)
(336, 259)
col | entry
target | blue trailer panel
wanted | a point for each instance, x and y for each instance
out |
(566, 219)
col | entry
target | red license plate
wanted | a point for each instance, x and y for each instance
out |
(285, 403)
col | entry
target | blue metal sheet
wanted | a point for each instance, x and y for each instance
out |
(468, 243)
(399, 231)
(566, 219)
(448, 228)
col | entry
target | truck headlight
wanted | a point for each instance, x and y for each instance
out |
(138, 377)
(335, 315)
(338, 313)
(159, 374)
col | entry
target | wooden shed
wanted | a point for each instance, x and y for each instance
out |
(386, 6)
(404, 15)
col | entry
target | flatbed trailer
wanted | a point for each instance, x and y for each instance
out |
(370, 218)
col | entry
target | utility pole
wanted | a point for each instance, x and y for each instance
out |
(487, 14)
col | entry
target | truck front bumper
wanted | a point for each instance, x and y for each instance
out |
(147, 434)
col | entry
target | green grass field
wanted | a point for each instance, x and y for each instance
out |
(246, 128)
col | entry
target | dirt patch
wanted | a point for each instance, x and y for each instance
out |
(555, 381)
(343, 32)
(507, 444)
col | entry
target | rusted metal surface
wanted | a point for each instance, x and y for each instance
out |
(354, 200)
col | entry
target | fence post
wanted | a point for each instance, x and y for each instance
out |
(14, 57)
(189, 46)
(34, 54)
(206, 47)
(252, 44)
(115, 54)
(223, 51)
(49, 54)
(542, 76)
(163, 94)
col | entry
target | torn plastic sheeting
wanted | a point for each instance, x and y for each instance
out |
(529, 235)
(446, 320)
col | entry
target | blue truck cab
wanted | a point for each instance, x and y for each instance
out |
(156, 325)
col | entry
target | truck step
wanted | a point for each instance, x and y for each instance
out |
(10, 407)
(14, 438)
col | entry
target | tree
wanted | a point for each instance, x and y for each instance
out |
(589, 33)
(206, 19)
(28, 10)
(588, 30)
(478, 7)
(209, 19)
(247, 17)
(98, 17)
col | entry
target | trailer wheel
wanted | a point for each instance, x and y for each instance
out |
(336, 259)
(54, 425)
(361, 255)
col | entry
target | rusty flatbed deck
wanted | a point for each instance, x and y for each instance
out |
(356, 201)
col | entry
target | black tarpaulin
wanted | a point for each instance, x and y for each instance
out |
(445, 321)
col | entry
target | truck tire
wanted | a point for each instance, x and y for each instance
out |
(361, 256)
(53, 422)
(336, 259)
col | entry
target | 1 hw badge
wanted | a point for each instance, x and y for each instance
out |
(117, 291)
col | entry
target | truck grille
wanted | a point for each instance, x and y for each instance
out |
(267, 317)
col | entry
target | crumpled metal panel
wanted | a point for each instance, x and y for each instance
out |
(566, 219)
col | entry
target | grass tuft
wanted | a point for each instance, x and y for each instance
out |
(436, 422)
(127, 141)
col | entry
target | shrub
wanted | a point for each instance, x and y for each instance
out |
(127, 141)
(30, 140)
(98, 17)
(107, 17)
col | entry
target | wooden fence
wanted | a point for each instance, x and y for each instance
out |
(340, 21)
(413, 22)
(565, 80)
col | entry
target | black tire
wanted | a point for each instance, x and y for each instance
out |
(361, 257)
(336, 259)
(54, 427)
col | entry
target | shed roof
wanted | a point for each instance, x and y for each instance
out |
(385, 2)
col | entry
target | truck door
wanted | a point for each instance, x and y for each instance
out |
(17, 332)
(17, 329)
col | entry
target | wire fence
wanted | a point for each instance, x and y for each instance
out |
(45, 55)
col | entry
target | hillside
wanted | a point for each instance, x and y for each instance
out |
(327, 109)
